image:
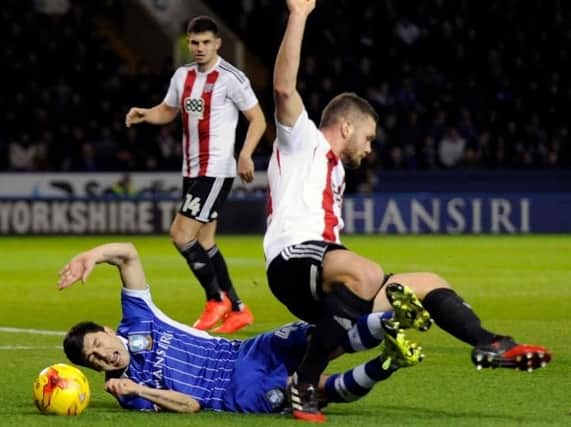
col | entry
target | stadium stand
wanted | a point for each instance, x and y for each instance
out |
(65, 94)
(458, 84)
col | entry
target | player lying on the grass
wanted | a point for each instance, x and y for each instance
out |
(155, 363)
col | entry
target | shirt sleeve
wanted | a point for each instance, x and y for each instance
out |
(137, 403)
(298, 137)
(172, 98)
(135, 304)
(242, 94)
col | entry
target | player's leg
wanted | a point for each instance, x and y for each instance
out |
(452, 314)
(445, 306)
(294, 277)
(369, 331)
(349, 282)
(366, 333)
(288, 344)
(195, 211)
(405, 312)
(354, 276)
(345, 285)
(396, 352)
(206, 237)
(353, 384)
(184, 232)
(240, 315)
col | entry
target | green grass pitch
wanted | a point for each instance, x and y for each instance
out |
(519, 285)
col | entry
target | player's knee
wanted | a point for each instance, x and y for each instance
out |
(345, 302)
(368, 280)
(426, 283)
(435, 281)
(207, 242)
(172, 234)
(179, 236)
(176, 237)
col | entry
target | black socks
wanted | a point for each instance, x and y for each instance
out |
(202, 267)
(453, 315)
(221, 271)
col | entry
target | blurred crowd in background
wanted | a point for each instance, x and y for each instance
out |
(457, 84)
(66, 93)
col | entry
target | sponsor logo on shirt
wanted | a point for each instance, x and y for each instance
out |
(194, 107)
(163, 345)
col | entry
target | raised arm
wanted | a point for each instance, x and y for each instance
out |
(158, 115)
(122, 255)
(289, 104)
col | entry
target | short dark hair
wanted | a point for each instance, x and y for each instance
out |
(202, 24)
(73, 341)
(344, 105)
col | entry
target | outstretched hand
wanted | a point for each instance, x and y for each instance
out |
(78, 269)
(301, 6)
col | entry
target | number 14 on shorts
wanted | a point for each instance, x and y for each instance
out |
(191, 204)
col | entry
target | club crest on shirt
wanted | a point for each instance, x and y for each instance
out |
(276, 397)
(138, 343)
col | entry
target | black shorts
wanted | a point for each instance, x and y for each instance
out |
(203, 197)
(294, 277)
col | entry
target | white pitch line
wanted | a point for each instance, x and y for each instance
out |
(27, 347)
(30, 331)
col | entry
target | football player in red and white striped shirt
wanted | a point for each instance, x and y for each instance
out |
(209, 93)
(308, 269)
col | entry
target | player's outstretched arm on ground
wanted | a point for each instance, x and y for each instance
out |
(158, 115)
(256, 129)
(122, 255)
(289, 104)
(167, 399)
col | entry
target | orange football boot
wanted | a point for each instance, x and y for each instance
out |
(235, 320)
(214, 311)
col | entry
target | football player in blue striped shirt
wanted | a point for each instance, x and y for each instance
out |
(154, 363)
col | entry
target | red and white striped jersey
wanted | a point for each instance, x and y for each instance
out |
(209, 102)
(306, 184)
